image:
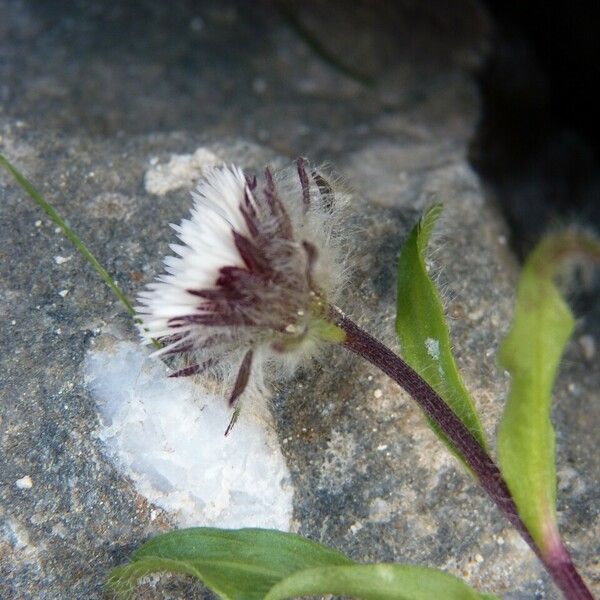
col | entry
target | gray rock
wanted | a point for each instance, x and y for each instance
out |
(91, 95)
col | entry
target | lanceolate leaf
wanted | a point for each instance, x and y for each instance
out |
(252, 564)
(541, 327)
(422, 330)
(376, 582)
(241, 564)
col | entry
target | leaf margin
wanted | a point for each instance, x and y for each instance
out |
(183, 556)
(420, 322)
(526, 439)
(388, 577)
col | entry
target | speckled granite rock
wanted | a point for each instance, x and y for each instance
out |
(369, 476)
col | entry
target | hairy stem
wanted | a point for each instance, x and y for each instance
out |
(558, 564)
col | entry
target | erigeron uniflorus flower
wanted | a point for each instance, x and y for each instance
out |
(249, 288)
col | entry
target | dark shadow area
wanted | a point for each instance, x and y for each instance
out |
(538, 142)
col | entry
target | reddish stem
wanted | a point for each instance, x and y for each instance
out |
(558, 564)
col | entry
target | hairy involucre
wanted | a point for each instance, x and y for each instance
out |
(249, 286)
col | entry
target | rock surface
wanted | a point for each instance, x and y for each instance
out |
(175, 452)
(94, 101)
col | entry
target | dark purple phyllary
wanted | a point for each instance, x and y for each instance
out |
(249, 287)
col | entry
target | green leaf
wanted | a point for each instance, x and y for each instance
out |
(376, 582)
(252, 564)
(37, 197)
(423, 333)
(531, 352)
(238, 564)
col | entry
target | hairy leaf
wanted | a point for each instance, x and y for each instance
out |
(252, 564)
(238, 564)
(376, 582)
(423, 332)
(531, 352)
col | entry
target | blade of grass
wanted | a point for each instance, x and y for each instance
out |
(37, 197)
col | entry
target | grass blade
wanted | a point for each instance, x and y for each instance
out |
(37, 197)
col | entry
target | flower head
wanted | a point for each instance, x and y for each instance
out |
(251, 283)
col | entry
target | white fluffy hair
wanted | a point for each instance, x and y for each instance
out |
(248, 290)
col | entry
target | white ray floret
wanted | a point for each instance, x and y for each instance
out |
(249, 282)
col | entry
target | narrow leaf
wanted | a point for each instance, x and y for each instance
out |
(376, 582)
(37, 197)
(423, 332)
(531, 352)
(240, 564)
